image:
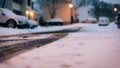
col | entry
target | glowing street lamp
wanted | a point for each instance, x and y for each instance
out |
(29, 13)
(71, 17)
(115, 9)
(71, 5)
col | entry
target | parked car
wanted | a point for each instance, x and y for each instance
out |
(32, 23)
(55, 21)
(103, 21)
(10, 19)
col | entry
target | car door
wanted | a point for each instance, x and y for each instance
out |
(2, 17)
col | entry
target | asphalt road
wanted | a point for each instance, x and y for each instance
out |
(11, 47)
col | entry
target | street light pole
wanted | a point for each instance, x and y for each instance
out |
(115, 11)
(71, 17)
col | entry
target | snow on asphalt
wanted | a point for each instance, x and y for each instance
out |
(95, 28)
(97, 48)
(11, 31)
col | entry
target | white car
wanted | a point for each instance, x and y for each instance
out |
(103, 21)
(10, 19)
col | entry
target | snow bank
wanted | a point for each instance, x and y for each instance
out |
(55, 20)
(95, 28)
(39, 29)
(10, 31)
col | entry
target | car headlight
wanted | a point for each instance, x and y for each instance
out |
(20, 22)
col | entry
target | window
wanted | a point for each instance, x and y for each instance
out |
(29, 2)
(32, 5)
(2, 2)
(18, 1)
(17, 12)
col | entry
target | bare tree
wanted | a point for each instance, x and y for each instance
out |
(54, 5)
(80, 3)
(51, 5)
(77, 2)
(40, 3)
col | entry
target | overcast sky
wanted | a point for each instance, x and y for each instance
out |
(112, 1)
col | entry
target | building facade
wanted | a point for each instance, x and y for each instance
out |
(21, 7)
(65, 13)
(85, 13)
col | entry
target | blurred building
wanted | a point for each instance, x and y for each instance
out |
(64, 12)
(21, 7)
(85, 13)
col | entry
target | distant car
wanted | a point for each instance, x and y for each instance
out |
(103, 21)
(10, 19)
(55, 21)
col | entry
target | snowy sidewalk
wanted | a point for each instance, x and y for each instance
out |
(77, 50)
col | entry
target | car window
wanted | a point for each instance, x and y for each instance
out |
(6, 11)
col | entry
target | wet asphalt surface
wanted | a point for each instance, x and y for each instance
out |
(8, 51)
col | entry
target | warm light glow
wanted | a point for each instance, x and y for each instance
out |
(27, 12)
(115, 9)
(70, 5)
(31, 13)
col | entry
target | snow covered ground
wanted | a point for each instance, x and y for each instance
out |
(11, 31)
(94, 47)
(95, 28)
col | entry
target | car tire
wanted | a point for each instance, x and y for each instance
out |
(11, 24)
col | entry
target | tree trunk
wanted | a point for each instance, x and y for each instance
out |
(53, 14)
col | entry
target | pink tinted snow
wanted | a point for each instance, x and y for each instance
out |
(77, 50)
